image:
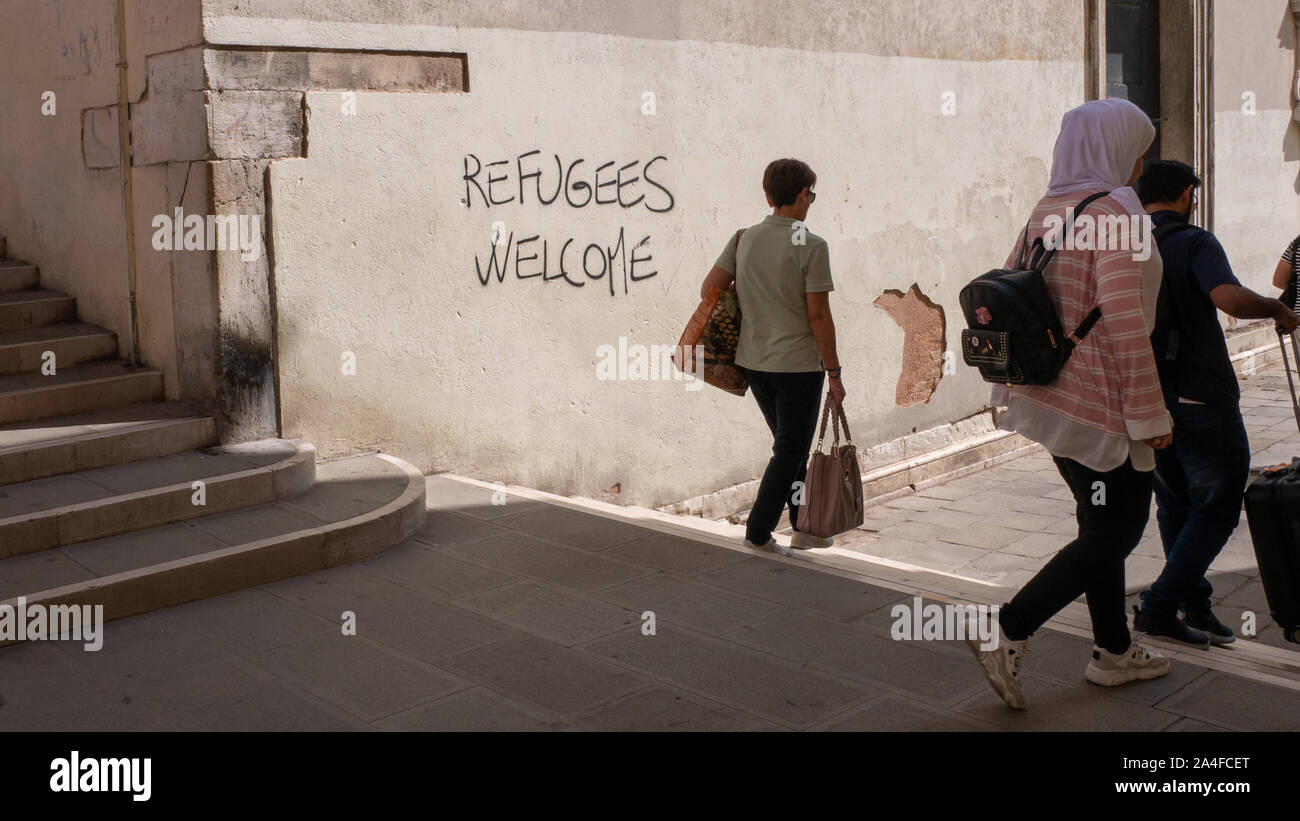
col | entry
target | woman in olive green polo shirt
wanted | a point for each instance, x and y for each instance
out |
(782, 277)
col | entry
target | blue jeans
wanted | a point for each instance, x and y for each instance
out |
(1200, 480)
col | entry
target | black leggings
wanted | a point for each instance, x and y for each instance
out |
(789, 402)
(1112, 510)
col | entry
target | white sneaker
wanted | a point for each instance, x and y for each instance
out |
(1002, 666)
(1138, 662)
(807, 541)
(771, 547)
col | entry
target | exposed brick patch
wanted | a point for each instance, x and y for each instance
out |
(325, 69)
(923, 327)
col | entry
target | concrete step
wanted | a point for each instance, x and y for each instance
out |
(78, 389)
(63, 510)
(1250, 335)
(65, 444)
(72, 343)
(16, 276)
(34, 307)
(357, 508)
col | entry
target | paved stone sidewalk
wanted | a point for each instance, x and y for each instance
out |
(528, 616)
(1002, 524)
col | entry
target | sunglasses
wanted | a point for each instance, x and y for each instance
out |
(812, 196)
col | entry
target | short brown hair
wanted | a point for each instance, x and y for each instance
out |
(784, 179)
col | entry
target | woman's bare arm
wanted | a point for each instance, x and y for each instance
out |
(718, 278)
(1282, 275)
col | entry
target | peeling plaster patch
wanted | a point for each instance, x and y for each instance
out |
(923, 343)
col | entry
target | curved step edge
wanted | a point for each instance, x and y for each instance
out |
(243, 566)
(101, 518)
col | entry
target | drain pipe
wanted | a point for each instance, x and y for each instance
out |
(126, 162)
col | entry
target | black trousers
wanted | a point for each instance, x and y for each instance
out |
(790, 403)
(1112, 510)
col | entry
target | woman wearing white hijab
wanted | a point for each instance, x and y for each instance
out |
(1105, 412)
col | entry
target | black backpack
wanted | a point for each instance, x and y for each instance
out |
(1014, 336)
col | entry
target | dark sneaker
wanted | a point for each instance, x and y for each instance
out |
(1219, 633)
(1169, 627)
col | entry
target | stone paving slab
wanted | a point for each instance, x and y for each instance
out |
(802, 588)
(691, 604)
(893, 713)
(763, 685)
(667, 709)
(528, 555)
(676, 555)
(435, 573)
(1061, 707)
(360, 676)
(548, 675)
(551, 613)
(473, 710)
(498, 628)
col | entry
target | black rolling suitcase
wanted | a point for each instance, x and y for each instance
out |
(1273, 511)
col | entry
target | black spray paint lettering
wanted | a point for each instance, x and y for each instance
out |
(579, 190)
(593, 263)
(607, 184)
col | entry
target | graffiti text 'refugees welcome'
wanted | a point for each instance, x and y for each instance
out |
(627, 185)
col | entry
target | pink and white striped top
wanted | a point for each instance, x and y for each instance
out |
(1108, 397)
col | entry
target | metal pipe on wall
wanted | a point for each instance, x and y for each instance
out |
(126, 162)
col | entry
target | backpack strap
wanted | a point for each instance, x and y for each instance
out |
(1168, 303)
(1074, 339)
(1039, 253)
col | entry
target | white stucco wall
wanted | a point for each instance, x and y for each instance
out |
(375, 252)
(56, 212)
(1256, 154)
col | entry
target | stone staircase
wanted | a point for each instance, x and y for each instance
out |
(110, 495)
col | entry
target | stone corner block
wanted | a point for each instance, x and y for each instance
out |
(255, 124)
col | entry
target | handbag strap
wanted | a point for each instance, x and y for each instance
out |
(833, 412)
(826, 411)
(735, 277)
(844, 420)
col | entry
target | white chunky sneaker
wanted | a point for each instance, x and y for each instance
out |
(771, 547)
(1138, 662)
(807, 541)
(1002, 666)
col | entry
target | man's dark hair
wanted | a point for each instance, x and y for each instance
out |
(784, 179)
(1165, 181)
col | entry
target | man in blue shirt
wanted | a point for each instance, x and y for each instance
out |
(1200, 480)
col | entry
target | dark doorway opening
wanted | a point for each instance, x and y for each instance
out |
(1133, 59)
